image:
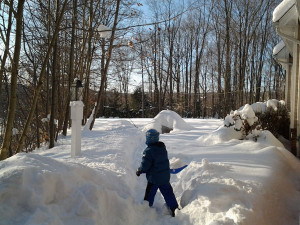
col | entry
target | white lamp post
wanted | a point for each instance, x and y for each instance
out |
(76, 116)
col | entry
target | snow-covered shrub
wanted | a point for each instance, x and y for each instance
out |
(250, 120)
(243, 120)
(275, 119)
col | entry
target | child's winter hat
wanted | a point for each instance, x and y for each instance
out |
(152, 136)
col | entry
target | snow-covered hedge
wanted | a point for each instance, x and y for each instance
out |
(249, 120)
(275, 119)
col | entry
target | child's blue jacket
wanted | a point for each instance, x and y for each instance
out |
(155, 164)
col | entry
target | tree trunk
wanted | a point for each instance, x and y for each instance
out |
(101, 108)
(14, 77)
(170, 73)
(37, 114)
(90, 53)
(196, 104)
(227, 78)
(156, 90)
(54, 87)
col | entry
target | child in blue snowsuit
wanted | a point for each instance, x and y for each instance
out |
(155, 164)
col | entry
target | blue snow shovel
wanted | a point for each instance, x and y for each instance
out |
(177, 170)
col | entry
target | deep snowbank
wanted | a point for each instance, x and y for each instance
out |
(278, 201)
(224, 134)
(47, 191)
(206, 191)
(226, 182)
(95, 188)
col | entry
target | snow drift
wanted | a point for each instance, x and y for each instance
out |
(46, 191)
(233, 125)
(224, 134)
(168, 120)
(233, 182)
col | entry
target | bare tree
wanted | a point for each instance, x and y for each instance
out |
(14, 77)
(40, 82)
(104, 74)
(6, 39)
(71, 68)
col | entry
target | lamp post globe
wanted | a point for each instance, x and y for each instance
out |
(104, 31)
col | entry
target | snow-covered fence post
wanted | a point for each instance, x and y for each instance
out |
(76, 116)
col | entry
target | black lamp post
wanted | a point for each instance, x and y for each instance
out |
(76, 90)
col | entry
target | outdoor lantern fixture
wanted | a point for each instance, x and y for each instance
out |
(76, 90)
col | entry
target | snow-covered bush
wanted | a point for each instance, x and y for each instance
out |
(243, 120)
(250, 120)
(275, 119)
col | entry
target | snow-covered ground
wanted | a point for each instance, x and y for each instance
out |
(227, 181)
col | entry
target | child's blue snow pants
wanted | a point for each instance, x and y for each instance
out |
(167, 192)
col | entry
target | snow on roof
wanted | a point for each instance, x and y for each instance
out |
(282, 9)
(169, 119)
(278, 47)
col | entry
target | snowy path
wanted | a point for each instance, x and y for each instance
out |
(226, 182)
